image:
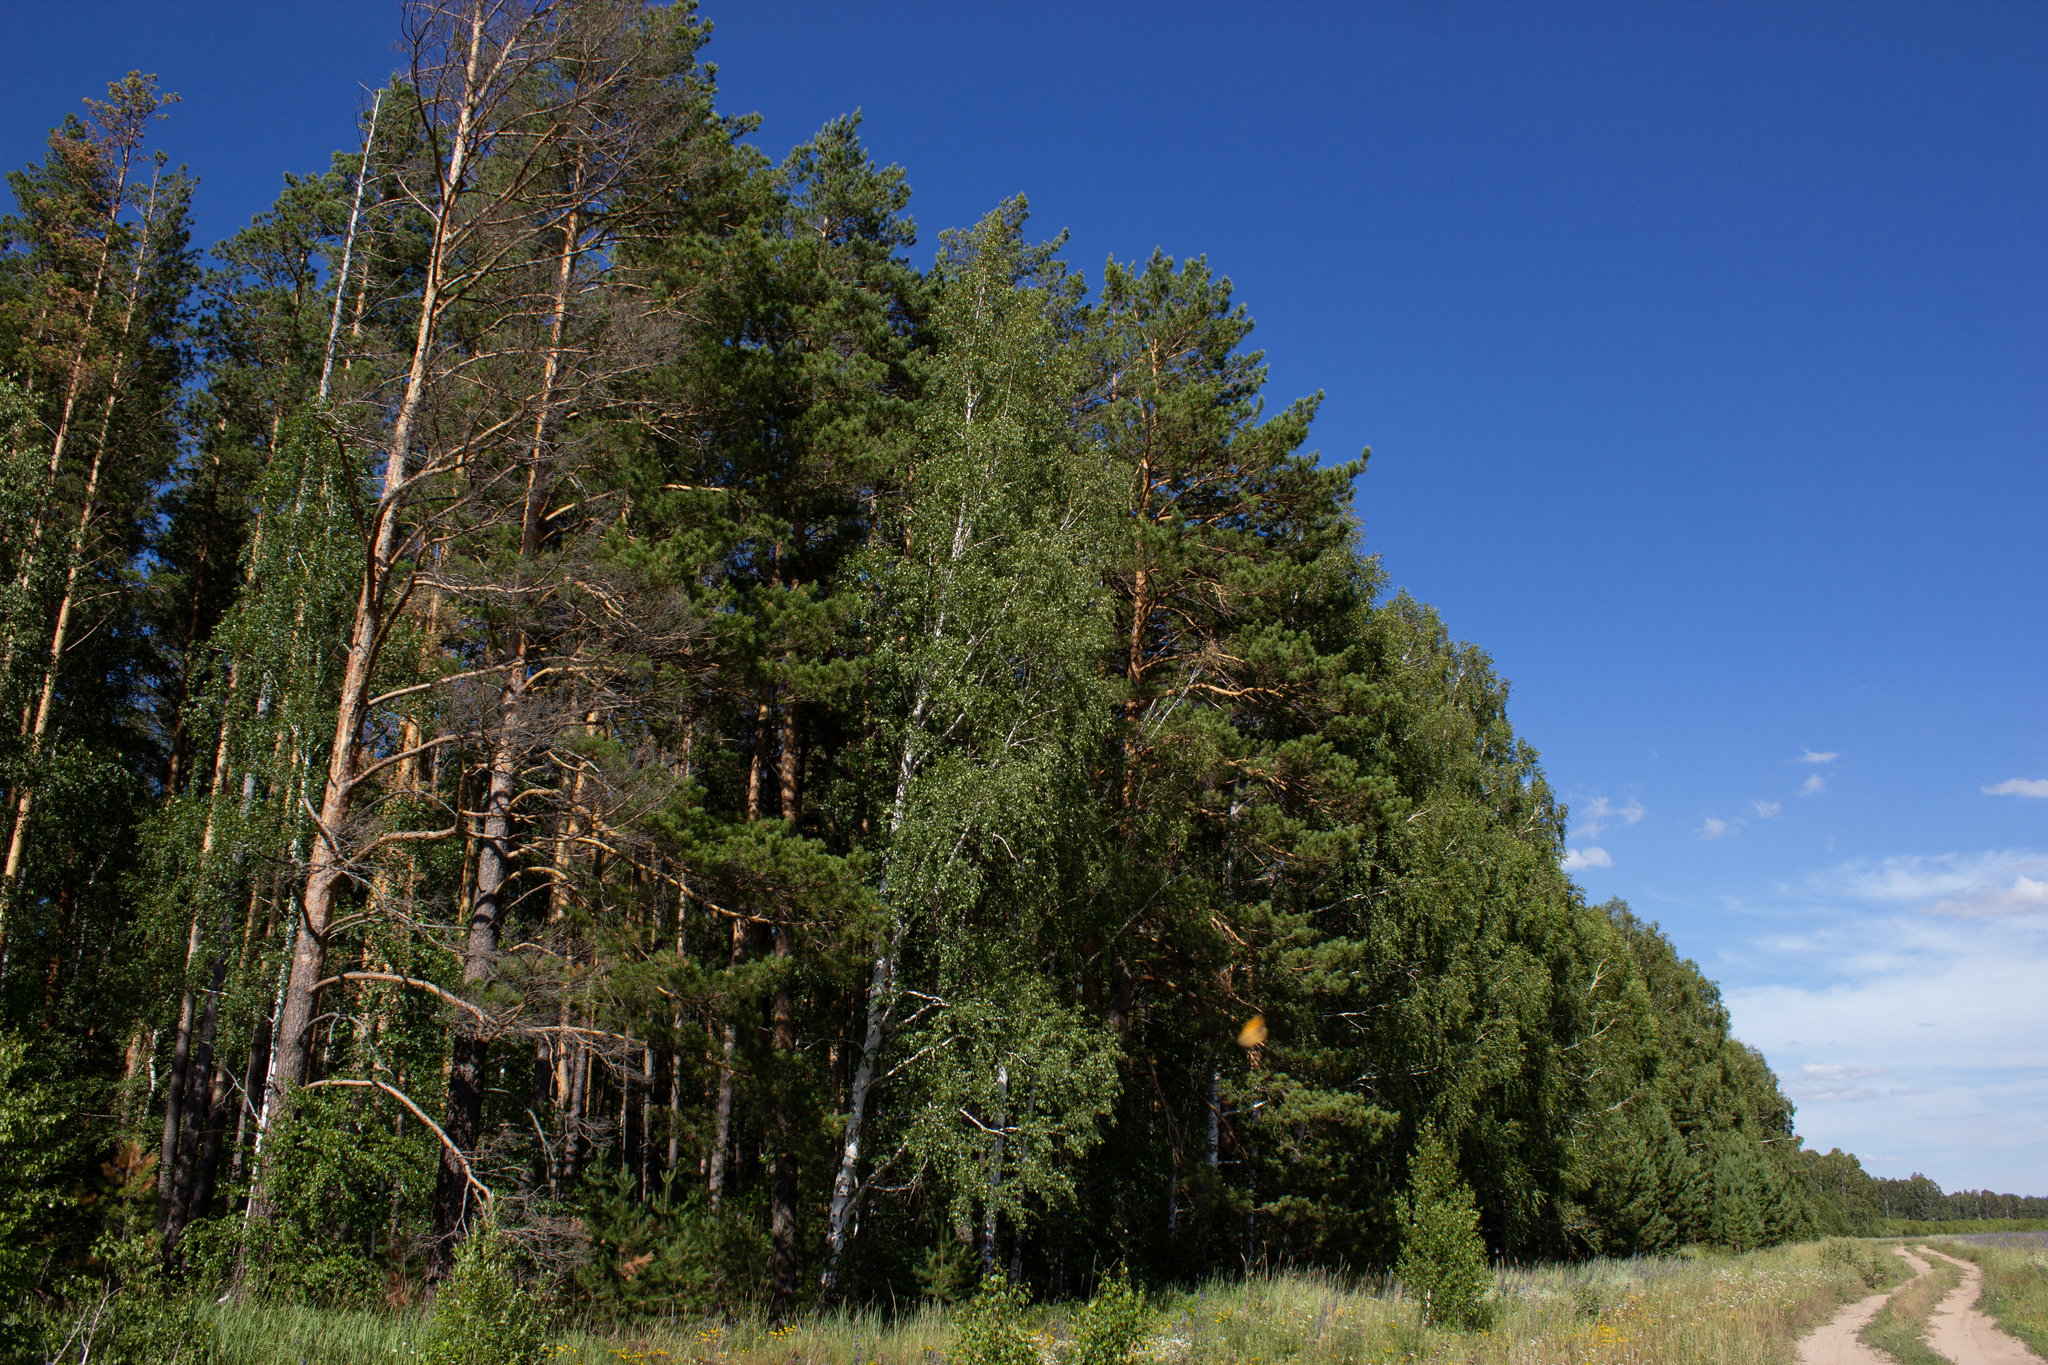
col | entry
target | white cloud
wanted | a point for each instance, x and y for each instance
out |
(2019, 786)
(1600, 814)
(1578, 859)
(2025, 894)
(1921, 879)
(1766, 810)
(1832, 1094)
(1716, 829)
(1966, 1099)
(1809, 756)
(1815, 785)
(1900, 1001)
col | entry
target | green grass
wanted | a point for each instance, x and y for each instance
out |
(2015, 1287)
(1703, 1309)
(263, 1334)
(1900, 1326)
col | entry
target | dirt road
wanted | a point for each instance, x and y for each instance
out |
(1956, 1331)
(1834, 1341)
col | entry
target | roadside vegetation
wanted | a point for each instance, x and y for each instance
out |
(1900, 1326)
(1714, 1309)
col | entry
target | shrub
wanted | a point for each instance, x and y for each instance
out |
(338, 1175)
(1111, 1324)
(124, 1313)
(32, 1200)
(1443, 1257)
(484, 1314)
(991, 1326)
(1866, 1263)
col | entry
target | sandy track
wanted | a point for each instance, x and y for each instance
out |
(1834, 1341)
(1957, 1330)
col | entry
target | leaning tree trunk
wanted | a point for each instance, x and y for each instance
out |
(327, 868)
(452, 1188)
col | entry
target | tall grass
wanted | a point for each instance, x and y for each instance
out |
(264, 1334)
(1691, 1310)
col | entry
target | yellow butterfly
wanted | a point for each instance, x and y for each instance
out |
(1253, 1033)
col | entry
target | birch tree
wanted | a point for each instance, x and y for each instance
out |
(982, 622)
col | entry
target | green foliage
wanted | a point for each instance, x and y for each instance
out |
(486, 1314)
(990, 1329)
(1443, 1257)
(122, 1309)
(1010, 1086)
(343, 1178)
(664, 1254)
(1111, 1324)
(33, 1202)
(946, 1271)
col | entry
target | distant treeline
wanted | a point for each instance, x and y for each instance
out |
(556, 677)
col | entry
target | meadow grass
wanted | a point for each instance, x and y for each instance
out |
(2015, 1284)
(272, 1334)
(1900, 1326)
(1692, 1310)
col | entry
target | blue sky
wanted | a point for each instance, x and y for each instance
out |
(1703, 352)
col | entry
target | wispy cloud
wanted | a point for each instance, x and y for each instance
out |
(2024, 895)
(1578, 859)
(1600, 813)
(1812, 1072)
(1922, 879)
(1766, 810)
(1815, 785)
(1714, 828)
(1903, 1032)
(2019, 786)
(1809, 756)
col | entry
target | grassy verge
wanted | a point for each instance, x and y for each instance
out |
(1900, 1325)
(1689, 1310)
(2015, 1288)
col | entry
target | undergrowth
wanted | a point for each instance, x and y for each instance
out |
(1702, 1309)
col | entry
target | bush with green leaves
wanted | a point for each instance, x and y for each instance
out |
(1110, 1325)
(990, 1329)
(1865, 1262)
(32, 1200)
(486, 1314)
(1443, 1257)
(946, 1271)
(342, 1177)
(123, 1310)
